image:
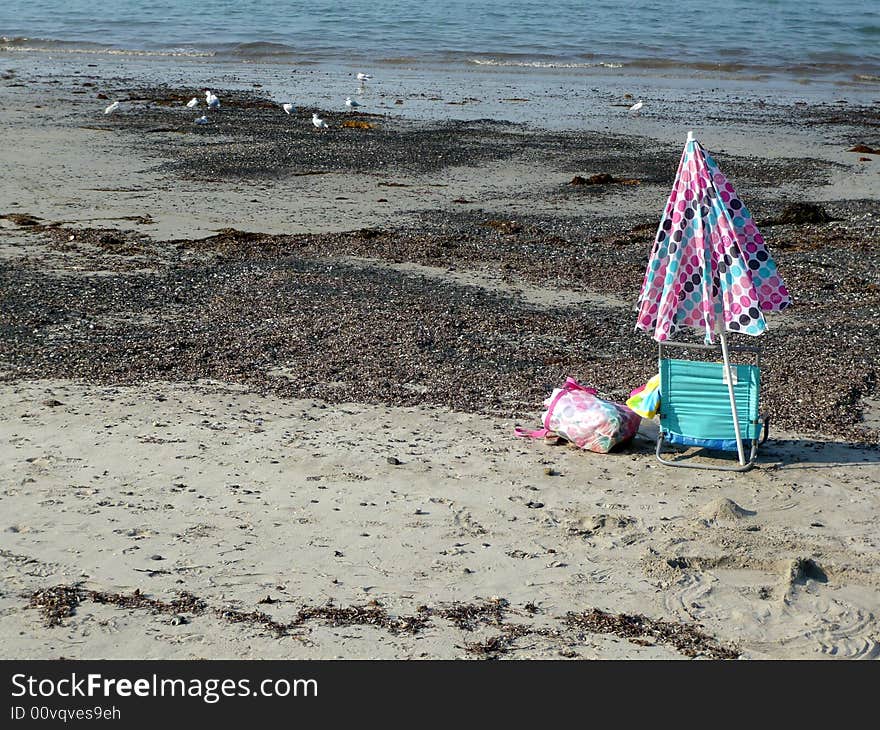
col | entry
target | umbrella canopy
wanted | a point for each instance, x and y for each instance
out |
(709, 267)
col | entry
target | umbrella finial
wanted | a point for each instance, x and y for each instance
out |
(690, 136)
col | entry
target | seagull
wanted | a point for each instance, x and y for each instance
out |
(363, 77)
(637, 107)
(112, 108)
(211, 100)
(318, 122)
(288, 108)
(351, 104)
(192, 102)
(201, 120)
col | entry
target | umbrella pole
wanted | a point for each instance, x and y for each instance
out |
(739, 442)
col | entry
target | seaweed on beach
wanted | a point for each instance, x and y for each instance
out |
(686, 639)
(470, 616)
(56, 604)
(60, 602)
(284, 314)
(372, 614)
(248, 140)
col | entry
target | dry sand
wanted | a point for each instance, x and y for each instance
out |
(233, 497)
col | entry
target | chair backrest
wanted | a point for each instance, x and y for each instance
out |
(695, 401)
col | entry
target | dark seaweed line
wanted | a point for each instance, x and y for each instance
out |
(60, 602)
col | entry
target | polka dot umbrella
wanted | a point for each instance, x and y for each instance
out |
(709, 268)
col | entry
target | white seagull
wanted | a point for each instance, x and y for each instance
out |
(637, 107)
(363, 77)
(201, 120)
(318, 122)
(351, 103)
(112, 108)
(192, 102)
(211, 100)
(288, 108)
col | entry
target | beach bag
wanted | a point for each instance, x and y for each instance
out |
(645, 400)
(579, 415)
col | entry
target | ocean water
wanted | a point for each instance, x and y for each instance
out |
(802, 39)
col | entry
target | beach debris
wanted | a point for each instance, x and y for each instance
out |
(508, 227)
(534, 505)
(192, 103)
(687, 639)
(52, 403)
(499, 644)
(288, 108)
(211, 99)
(351, 103)
(470, 616)
(112, 108)
(201, 120)
(318, 122)
(380, 365)
(550, 471)
(394, 461)
(800, 213)
(24, 220)
(864, 149)
(56, 604)
(602, 178)
(60, 602)
(636, 109)
(357, 124)
(865, 159)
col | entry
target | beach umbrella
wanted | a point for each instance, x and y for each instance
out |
(709, 267)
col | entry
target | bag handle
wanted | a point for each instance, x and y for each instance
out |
(570, 385)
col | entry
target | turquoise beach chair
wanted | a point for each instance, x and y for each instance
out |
(695, 406)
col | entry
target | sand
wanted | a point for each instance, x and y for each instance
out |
(320, 528)
(233, 498)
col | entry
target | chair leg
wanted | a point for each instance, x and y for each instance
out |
(686, 465)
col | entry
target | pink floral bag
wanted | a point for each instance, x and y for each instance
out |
(578, 415)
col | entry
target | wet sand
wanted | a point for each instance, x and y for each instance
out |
(271, 368)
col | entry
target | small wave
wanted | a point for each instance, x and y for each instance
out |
(541, 64)
(43, 45)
